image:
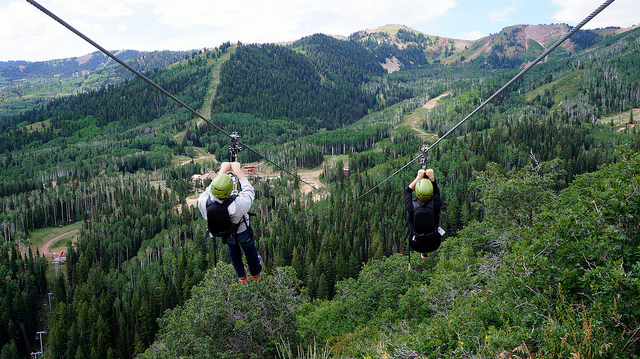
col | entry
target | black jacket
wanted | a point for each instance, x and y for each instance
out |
(410, 206)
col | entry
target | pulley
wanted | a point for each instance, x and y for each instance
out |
(234, 147)
(425, 155)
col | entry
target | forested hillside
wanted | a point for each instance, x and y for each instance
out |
(540, 200)
(64, 68)
(563, 284)
(114, 129)
(275, 82)
(28, 85)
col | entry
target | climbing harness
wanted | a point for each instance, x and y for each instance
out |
(153, 84)
(516, 77)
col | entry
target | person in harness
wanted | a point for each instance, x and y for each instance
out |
(227, 217)
(424, 212)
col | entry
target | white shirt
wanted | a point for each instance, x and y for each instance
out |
(237, 209)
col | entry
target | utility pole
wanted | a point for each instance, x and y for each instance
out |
(40, 334)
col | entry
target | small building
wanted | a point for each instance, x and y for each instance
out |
(250, 170)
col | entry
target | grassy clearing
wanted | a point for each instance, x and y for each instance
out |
(39, 237)
(414, 120)
(61, 244)
(416, 115)
(39, 126)
(205, 111)
(177, 160)
(622, 119)
(201, 155)
(328, 161)
(567, 86)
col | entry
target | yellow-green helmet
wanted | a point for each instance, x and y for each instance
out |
(424, 189)
(221, 185)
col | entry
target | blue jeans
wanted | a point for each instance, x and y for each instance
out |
(250, 252)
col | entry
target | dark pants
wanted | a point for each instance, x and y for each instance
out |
(425, 243)
(250, 252)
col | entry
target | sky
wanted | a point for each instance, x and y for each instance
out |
(28, 34)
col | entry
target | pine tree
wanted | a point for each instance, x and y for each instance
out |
(323, 287)
(10, 351)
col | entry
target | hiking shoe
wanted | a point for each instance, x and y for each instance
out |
(243, 279)
(423, 255)
(258, 275)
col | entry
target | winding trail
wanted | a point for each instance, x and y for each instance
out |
(45, 247)
(417, 116)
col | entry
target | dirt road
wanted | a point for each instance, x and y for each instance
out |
(45, 247)
(311, 177)
(417, 120)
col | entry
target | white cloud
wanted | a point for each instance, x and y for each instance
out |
(91, 8)
(284, 20)
(473, 35)
(123, 27)
(500, 14)
(27, 33)
(188, 24)
(292, 16)
(621, 13)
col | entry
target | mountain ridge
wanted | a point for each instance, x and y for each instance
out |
(27, 85)
(511, 42)
(607, 31)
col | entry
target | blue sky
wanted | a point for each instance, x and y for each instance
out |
(28, 34)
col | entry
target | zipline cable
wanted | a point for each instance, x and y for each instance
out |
(516, 77)
(165, 92)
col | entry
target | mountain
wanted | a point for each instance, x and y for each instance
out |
(84, 65)
(25, 85)
(398, 47)
(520, 44)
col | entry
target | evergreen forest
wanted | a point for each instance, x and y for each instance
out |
(25, 85)
(540, 190)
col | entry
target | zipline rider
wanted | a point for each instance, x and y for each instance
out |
(424, 213)
(227, 217)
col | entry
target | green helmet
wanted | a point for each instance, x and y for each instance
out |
(221, 185)
(424, 189)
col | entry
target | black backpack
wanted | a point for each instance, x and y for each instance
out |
(218, 220)
(426, 236)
